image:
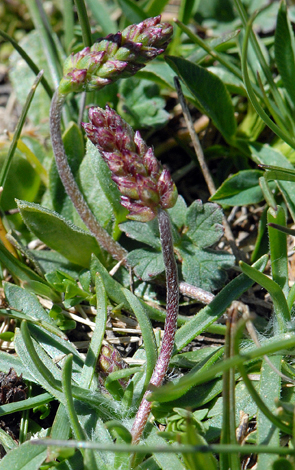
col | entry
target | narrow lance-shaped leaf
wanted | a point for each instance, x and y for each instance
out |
(285, 50)
(210, 93)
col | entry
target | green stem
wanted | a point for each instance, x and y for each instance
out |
(67, 389)
(89, 459)
(246, 449)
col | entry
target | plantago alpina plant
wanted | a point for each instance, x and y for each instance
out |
(146, 191)
(116, 56)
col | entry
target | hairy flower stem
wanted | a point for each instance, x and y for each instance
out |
(172, 301)
(70, 185)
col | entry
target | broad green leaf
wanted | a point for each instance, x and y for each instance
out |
(147, 263)
(240, 189)
(75, 462)
(141, 105)
(9, 360)
(205, 268)
(147, 233)
(204, 223)
(233, 83)
(159, 72)
(22, 181)
(64, 237)
(285, 50)
(53, 261)
(95, 430)
(178, 213)
(100, 191)
(24, 457)
(210, 93)
(200, 226)
(215, 309)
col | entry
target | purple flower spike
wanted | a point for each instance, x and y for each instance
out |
(117, 56)
(144, 185)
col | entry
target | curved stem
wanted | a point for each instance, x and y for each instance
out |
(70, 185)
(172, 296)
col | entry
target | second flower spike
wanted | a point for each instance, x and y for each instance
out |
(143, 183)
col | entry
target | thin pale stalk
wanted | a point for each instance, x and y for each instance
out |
(70, 185)
(202, 162)
(172, 300)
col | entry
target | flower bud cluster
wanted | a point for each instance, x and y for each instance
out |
(110, 361)
(144, 185)
(116, 56)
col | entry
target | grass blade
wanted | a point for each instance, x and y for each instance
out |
(278, 249)
(277, 295)
(17, 133)
(98, 334)
(29, 61)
